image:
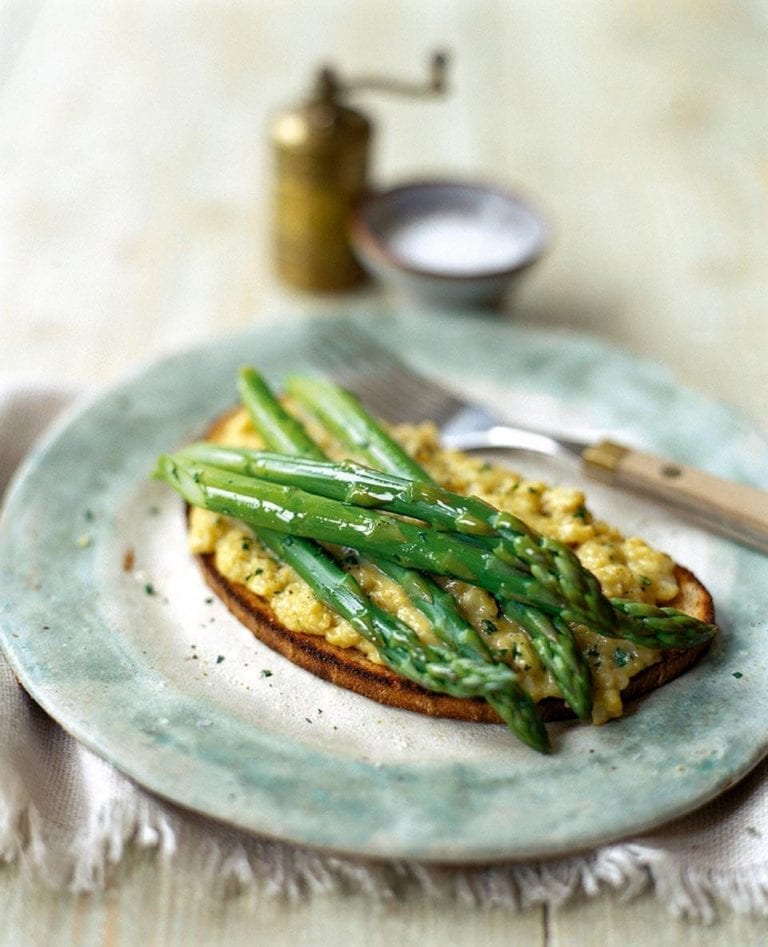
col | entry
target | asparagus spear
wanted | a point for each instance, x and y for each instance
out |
(343, 414)
(281, 431)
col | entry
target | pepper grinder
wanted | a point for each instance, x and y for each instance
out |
(322, 151)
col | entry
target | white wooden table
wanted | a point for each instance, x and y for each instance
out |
(134, 217)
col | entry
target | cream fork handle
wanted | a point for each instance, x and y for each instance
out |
(734, 510)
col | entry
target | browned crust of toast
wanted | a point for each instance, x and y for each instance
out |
(349, 668)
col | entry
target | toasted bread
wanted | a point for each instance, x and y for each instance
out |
(349, 668)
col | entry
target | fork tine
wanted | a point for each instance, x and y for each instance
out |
(343, 347)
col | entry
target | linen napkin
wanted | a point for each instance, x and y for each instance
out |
(70, 816)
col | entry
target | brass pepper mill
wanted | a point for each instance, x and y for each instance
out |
(322, 152)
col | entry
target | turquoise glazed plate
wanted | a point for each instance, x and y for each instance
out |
(107, 622)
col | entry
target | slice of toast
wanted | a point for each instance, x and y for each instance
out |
(350, 668)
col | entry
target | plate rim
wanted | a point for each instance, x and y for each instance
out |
(70, 419)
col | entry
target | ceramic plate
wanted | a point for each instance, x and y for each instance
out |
(107, 622)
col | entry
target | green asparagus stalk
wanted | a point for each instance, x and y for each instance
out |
(659, 626)
(343, 415)
(281, 431)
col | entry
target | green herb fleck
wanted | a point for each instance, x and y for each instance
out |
(487, 626)
(246, 544)
(620, 657)
(266, 673)
(149, 589)
(581, 513)
(219, 659)
(737, 675)
(645, 581)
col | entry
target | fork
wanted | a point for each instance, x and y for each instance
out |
(395, 392)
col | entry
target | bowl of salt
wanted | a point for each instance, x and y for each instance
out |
(448, 243)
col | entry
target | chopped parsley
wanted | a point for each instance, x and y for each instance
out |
(620, 657)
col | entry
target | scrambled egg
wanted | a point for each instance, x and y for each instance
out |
(625, 567)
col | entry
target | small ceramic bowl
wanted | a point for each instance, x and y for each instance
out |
(448, 242)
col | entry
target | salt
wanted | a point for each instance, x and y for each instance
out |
(459, 243)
